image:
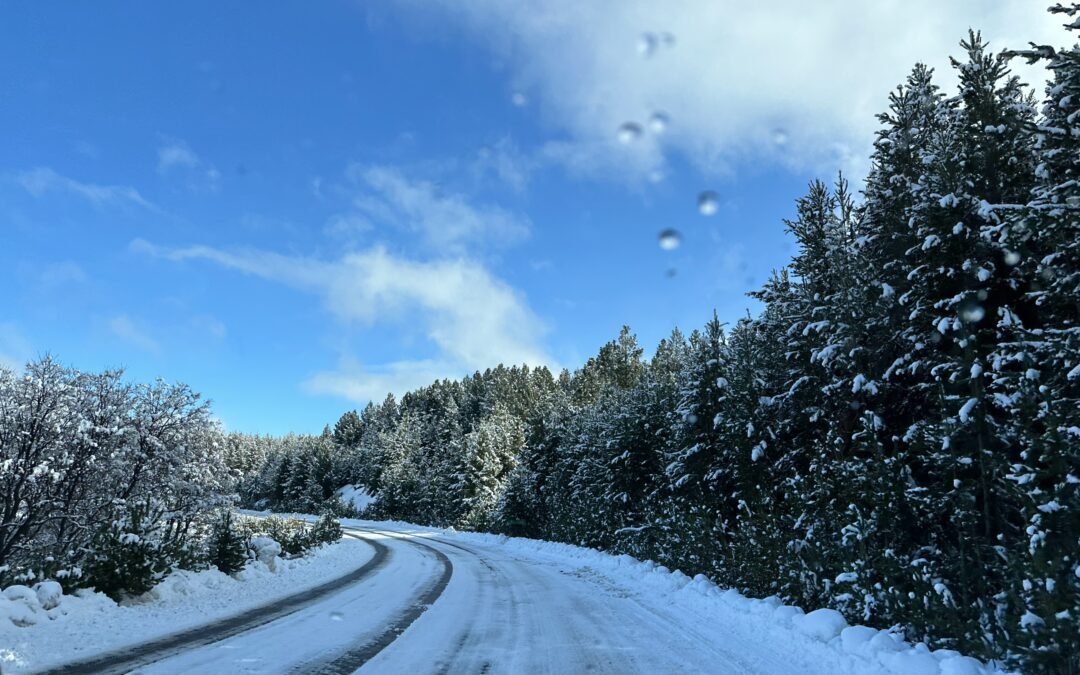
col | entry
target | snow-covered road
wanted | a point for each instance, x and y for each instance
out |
(441, 606)
(467, 608)
(419, 600)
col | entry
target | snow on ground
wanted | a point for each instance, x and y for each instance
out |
(823, 635)
(39, 628)
(512, 605)
(357, 497)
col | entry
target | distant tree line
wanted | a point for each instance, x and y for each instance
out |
(896, 436)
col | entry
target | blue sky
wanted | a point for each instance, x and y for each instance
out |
(299, 207)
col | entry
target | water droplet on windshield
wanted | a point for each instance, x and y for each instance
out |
(519, 99)
(667, 39)
(629, 132)
(337, 616)
(658, 123)
(708, 203)
(670, 239)
(1012, 258)
(780, 136)
(971, 311)
(647, 44)
(670, 274)
(656, 176)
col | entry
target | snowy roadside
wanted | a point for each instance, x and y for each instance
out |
(89, 623)
(823, 636)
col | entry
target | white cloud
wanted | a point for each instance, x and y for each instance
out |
(356, 383)
(60, 274)
(505, 161)
(347, 225)
(471, 318)
(123, 327)
(736, 73)
(446, 221)
(43, 180)
(176, 154)
(210, 325)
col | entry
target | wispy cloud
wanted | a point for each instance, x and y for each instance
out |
(176, 156)
(43, 180)
(471, 318)
(210, 325)
(505, 161)
(52, 275)
(354, 382)
(447, 222)
(123, 327)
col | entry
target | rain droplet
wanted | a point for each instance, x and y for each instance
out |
(780, 136)
(667, 39)
(656, 176)
(519, 99)
(708, 203)
(971, 311)
(658, 123)
(629, 132)
(670, 239)
(647, 43)
(1012, 258)
(691, 418)
(671, 272)
(337, 616)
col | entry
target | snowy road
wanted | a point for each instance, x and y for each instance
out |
(418, 601)
(438, 606)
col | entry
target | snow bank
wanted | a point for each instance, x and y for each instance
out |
(356, 497)
(823, 637)
(41, 627)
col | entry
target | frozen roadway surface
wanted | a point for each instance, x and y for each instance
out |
(422, 601)
(435, 606)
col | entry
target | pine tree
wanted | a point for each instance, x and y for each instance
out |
(227, 547)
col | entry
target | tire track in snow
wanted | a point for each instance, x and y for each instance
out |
(352, 658)
(127, 659)
(468, 635)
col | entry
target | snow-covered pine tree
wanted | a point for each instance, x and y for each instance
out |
(490, 455)
(227, 546)
(1037, 372)
(699, 468)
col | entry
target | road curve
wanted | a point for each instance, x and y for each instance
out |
(502, 613)
(128, 659)
(339, 632)
(352, 657)
(442, 604)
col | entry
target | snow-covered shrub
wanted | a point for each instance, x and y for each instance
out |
(326, 531)
(105, 482)
(131, 554)
(291, 535)
(227, 546)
